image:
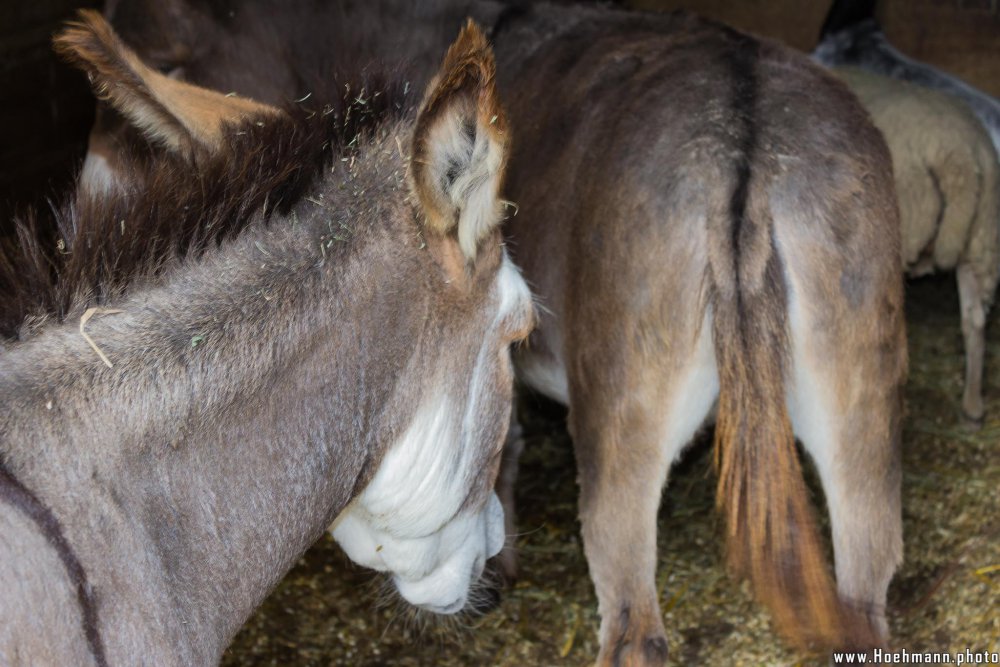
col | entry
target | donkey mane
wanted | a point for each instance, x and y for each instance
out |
(94, 247)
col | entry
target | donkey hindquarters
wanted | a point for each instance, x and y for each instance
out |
(714, 207)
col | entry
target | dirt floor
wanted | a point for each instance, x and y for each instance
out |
(946, 596)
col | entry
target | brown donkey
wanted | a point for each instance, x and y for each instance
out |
(315, 343)
(705, 217)
(720, 225)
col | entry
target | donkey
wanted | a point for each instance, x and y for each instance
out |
(852, 36)
(705, 218)
(168, 453)
(736, 242)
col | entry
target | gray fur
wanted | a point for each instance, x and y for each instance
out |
(252, 394)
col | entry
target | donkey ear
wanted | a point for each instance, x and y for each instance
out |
(181, 116)
(460, 144)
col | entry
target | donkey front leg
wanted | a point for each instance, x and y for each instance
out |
(506, 561)
(622, 470)
(501, 570)
(972, 298)
(625, 440)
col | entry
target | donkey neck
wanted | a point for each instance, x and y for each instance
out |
(251, 396)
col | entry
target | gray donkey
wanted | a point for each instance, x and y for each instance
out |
(706, 218)
(167, 456)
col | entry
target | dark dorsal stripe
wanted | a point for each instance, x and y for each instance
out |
(18, 495)
(743, 56)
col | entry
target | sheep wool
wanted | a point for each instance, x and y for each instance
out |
(948, 185)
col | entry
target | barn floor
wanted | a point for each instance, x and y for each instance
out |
(946, 596)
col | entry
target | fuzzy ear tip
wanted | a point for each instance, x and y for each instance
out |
(470, 46)
(472, 37)
(472, 55)
(73, 39)
(465, 85)
(88, 21)
(468, 65)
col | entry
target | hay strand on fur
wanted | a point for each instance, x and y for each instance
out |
(89, 313)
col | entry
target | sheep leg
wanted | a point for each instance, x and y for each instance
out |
(971, 296)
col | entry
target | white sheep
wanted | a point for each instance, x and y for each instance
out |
(948, 184)
(852, 37)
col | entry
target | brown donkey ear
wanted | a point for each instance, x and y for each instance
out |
(460, 144)
(181, 116)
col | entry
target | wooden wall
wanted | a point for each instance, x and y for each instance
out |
(959, 36)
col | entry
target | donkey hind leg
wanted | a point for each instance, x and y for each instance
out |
(853, 438)
(624, 453)
(973, 300)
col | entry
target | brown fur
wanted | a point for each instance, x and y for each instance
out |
(692, 187)
(771, 533)
(182, 116)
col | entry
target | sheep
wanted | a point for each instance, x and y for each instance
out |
(851, 36)
(948, 183)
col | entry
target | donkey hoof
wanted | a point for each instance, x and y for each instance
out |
(646, 652)
(971, 422)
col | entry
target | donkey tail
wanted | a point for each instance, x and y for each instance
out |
(772, 538)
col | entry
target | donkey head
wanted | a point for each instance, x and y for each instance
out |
(429, 515)
(424, 508)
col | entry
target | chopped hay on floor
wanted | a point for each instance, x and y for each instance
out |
(944, 598)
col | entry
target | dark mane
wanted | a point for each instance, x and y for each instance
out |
(92, 248)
